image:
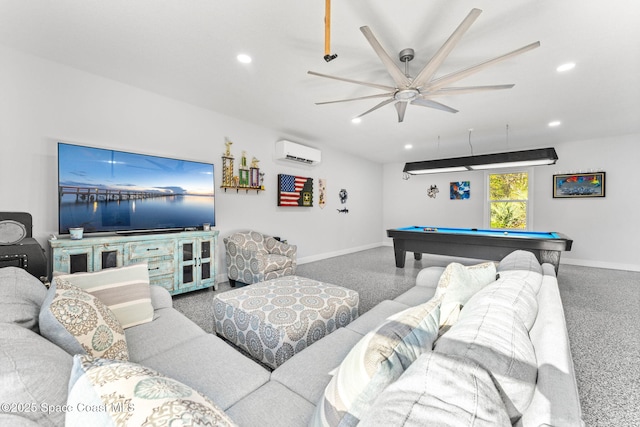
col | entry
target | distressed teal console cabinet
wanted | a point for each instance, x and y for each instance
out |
(180, 262)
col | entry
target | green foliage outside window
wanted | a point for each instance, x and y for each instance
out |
(508, 195)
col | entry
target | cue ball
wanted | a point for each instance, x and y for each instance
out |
(506, 232)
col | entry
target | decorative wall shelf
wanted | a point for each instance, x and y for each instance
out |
(247, 189)
(249, 178)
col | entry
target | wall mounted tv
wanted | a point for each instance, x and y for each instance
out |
(105, 190)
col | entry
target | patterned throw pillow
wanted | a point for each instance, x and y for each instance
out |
(458, 284)
(376, 361)
(80, 323)
(127, 394)
(125, 290)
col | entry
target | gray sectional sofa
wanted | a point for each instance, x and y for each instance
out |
(34, 373)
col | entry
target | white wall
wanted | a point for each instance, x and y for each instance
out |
(605, 231)
(43, 102)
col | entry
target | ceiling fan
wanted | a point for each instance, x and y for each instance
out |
(420, 89)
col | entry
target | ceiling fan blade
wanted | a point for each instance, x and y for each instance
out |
(467, 89)
(458, 75)
(401, 107)
(395, 72)
(342, 79)
(380, 95)
(433, 104)
(382, 104)
(434, 63)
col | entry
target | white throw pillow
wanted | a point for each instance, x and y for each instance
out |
(459, 283)
(376, 361)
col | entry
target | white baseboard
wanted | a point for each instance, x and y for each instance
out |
(599, 264)
(326, 255)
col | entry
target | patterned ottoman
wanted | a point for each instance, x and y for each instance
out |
(275, 319)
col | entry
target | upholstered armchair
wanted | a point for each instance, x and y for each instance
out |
(253, 257)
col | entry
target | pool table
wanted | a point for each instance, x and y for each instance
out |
(476, 243)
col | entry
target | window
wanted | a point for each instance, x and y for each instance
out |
(508, 200)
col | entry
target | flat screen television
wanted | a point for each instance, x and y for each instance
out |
(106, 190)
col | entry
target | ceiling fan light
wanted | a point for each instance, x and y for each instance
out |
(566, 67)
(406, 95)
(244, 58)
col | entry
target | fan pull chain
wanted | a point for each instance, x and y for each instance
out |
(470, 130)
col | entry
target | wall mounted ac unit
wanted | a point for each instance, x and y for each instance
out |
(287, 150)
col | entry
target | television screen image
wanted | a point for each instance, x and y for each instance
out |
(105, 190)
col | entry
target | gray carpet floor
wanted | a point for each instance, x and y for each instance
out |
(602, 308)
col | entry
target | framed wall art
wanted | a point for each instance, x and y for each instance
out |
(574, 185)
(295, 191)
(460, 190)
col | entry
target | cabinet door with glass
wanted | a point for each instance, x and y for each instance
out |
(75, 259)
(108, 256)
(197, 262)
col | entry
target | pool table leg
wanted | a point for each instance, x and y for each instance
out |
(400, 253)
(417, 256)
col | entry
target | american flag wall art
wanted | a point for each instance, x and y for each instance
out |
(295, 190)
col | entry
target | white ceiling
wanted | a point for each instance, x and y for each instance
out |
(187, 50)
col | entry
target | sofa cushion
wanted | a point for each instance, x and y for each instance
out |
(211, 366)
(428, 277)
(273, 404)
(416, 295)
(21, 296)
(458, 283)
(511, 292)
(80, 323)
(493, 335)
(32, 370)
(307, 372)
(378, 314)
(169, 329)
(377, 360)
(125, 290)
(125, 393)
(440, 390)
(532, 278)
(520, 260)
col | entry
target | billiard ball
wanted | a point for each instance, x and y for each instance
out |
(506, 232)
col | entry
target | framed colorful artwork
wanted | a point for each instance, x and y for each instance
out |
(574, 185)
(295, 191)
(460, 190)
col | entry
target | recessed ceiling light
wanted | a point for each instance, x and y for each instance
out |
(245, 59)
(554, 123)
(408, 146)
(356, 120)
(566, 67)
